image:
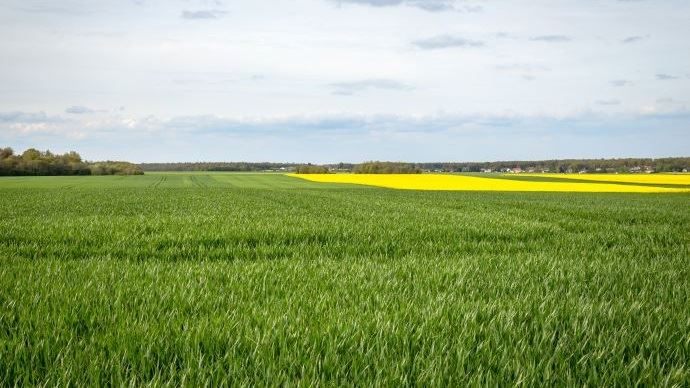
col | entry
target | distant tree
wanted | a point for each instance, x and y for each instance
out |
(31, 154)
(115, 168)
(553, 166)
(6, 152)
(73, 157)
(386, 168)
(34, 162)
(311, 169)
(218, 166)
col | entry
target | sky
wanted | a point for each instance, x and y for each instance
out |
(328, 81)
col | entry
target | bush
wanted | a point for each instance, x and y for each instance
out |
(115, 168)
(311, 169)
(386, 168)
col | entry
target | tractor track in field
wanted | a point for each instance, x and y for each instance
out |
(198, 183)
(158, 182)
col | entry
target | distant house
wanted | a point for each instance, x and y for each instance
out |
(517, 170)
(486, 170)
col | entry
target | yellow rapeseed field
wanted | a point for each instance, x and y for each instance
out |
(664, 179)
(473, 183)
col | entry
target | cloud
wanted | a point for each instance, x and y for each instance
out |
(427, 5)
(621, 82)
(526, 71)
(350, 88)
(155, 126)
(633, 39)
(522, 67)
(355, 137)
(65, 8)
(432, 6)
(202, 14)
(608, 102)
(375, 3)
(551, 38)
(77, 110)
(19, 123)
(446, 41)
(24, 117)
(665, 77)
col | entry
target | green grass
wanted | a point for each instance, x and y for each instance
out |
(246, 279)
(163, 180)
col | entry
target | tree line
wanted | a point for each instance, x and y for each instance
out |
(35, 162)
(387, 168)
(219, 166)
(622, 165)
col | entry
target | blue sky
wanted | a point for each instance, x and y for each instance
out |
(346, 80)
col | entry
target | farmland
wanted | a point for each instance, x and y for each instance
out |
(598, 183)
(214, 278)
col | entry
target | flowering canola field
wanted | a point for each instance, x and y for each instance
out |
(664, 179)
(473, 183)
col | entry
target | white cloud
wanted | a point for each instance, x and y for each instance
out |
(354, 87)
(427, 5)
(632, 39)
(353, 137)
(611, 102)
(551, 38)
(202, 14)
(446, 41)
(78, 109)
(621, 82)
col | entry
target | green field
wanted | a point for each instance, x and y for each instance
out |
(264, 279)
